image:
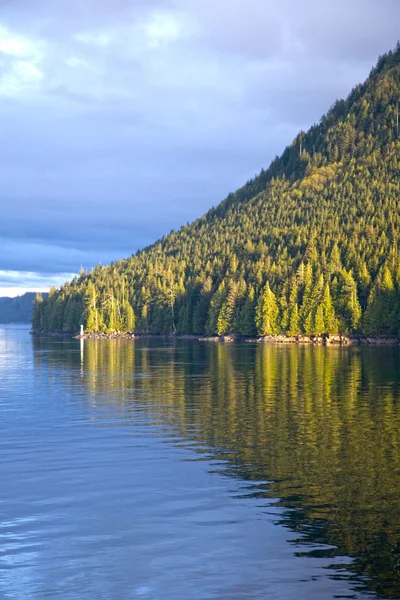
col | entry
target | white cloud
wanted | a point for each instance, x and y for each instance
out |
(143, 38)
(74, 61)
(82, 65)
(20, 62)
(28, 72)
(14, 45)
(20, 46)
(95, 38)
(163, 28)
(19, 77)
(12, 292)
(15, 283)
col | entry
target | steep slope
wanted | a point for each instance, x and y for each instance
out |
(309, 246)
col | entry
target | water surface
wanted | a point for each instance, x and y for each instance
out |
(191, 470)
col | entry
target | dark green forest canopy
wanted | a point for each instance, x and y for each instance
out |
(310, 245)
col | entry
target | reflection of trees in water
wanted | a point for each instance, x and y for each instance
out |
(322, 424)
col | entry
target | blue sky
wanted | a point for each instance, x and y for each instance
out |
(122, 119)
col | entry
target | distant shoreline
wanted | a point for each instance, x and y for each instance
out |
(316, 340)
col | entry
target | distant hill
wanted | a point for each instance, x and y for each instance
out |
(310, 245)
(18, 309)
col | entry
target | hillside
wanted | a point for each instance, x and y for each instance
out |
(311, 245)
(18, 309)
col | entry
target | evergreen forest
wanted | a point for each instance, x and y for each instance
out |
(18, 309)
(309, 246)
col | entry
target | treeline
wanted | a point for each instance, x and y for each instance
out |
(18, 309)
(309, 246)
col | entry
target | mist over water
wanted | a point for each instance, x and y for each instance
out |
(190, 470)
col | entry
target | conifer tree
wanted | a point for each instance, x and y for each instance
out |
(37, 312)
(294, 326)
(201, 308)
(328, 311)
(267, 313)
(318, 326)
(309, 324)
(226, 314)
(381, 301)
(110, 311)
(246, 316)
(91, 310)
(335, 263)
(216, 303)
(351, 308)
(306, 301)
(128, 317)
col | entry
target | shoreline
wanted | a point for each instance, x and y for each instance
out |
(316, 340)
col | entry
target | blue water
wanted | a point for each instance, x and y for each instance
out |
(146, 469)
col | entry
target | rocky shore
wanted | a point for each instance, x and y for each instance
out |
(319, 340)
(100, 335)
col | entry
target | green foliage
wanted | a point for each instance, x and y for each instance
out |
(327, 322)
(349, 304)
(378, 317)
(245, 319)
(214, 322)
(267, 313)
(37, 311)
(226, 314)
(321, 226)
(294, 326)
(127, 317)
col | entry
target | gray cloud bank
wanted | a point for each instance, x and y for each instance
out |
(122, 120)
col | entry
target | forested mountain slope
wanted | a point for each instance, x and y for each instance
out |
(18, 309)
(309, 246)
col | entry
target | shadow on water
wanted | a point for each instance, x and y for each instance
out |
(320, 425)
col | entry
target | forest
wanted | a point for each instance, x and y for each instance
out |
(18, 309)
(309, 246)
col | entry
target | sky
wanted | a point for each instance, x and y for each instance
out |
(124, 119)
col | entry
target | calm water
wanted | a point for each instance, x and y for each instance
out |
(190, 470)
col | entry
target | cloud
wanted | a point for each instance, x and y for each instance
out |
(18, 77)
(16, 283)
(19, 46)
(20, 60)
(122, 120)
